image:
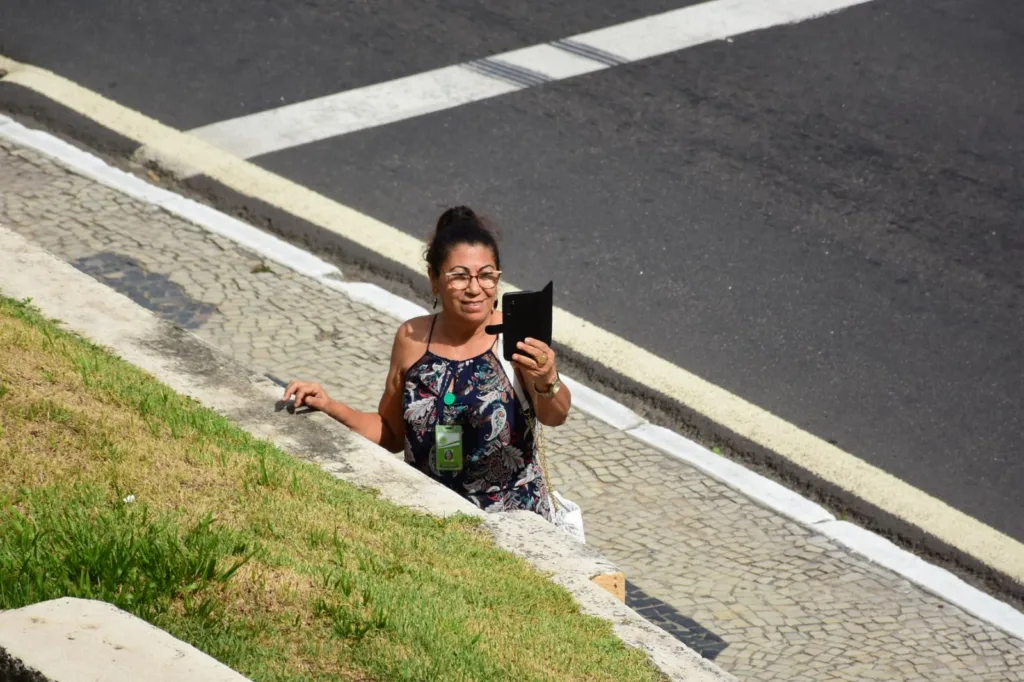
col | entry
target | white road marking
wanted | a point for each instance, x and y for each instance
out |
(842, 469)
(551, 61)
(346, 112)
(452, 86)
(697, 24)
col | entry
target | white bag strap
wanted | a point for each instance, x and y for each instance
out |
(511, 374)
(538, 438)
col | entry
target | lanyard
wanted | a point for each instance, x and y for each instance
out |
(449, 396)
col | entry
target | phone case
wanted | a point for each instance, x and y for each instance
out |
(526, 314)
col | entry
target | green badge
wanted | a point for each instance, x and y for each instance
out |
(448, 447)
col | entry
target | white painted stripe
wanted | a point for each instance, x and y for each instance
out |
(709, 21)
(54, 147)
(346, 112)
(274, 249)
(254, 239)
(847, 472)
(377, 298)
(554, 63)
(602, 407)
(758, 488)
(936, 580)
(452, 86)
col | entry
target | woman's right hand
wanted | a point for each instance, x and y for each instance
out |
(308, 393)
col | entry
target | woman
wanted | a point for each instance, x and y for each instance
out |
(447, 387)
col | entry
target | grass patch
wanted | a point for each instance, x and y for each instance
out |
(264, 562)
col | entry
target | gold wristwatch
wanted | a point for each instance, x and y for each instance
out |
(553, 389)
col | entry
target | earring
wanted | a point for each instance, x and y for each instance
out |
(495, 303)
(435, 302)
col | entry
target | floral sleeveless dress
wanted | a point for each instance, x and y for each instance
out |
(500, 472)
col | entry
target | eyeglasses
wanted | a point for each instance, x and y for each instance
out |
(459, 279)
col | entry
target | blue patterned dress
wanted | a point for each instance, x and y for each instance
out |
(499, 471)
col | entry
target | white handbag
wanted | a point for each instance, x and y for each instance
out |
(566, 514)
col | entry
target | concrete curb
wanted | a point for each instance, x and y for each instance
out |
(764, 491)
(60, 639)
(190, 366)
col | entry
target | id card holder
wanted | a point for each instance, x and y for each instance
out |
(448, 447)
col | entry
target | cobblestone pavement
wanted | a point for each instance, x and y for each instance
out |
(774, 600)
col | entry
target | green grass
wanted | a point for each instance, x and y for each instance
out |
(70, 540)
(264, 562)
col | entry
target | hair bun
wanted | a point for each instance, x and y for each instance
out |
(456, 214)
(459, 225)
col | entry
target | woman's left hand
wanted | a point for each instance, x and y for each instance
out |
(537, 361)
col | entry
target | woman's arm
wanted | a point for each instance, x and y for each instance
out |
(385, 427)
(539, 370)
(551, 410)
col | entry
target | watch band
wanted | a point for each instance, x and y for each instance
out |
(553, 390)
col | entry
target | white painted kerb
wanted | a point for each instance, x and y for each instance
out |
(95, 168)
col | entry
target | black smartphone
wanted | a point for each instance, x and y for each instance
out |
(526, 314)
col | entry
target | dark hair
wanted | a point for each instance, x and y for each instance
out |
(459, 225)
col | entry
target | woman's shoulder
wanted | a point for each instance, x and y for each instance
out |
(410, 344)
(415, 330)
(411, 339)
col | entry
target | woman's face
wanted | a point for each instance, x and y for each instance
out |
(473, 303)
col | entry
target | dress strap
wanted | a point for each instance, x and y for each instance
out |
(431, 335)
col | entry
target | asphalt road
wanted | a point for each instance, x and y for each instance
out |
(827, 219)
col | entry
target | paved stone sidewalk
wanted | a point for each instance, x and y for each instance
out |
(786, 603)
